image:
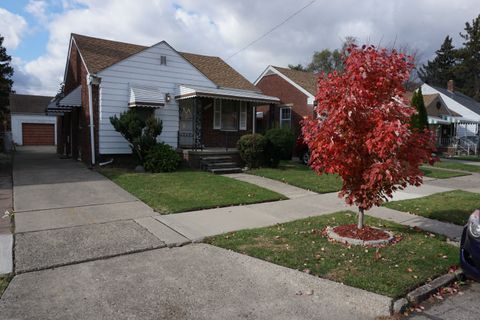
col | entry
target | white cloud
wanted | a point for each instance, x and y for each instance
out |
(38, 8)
(12, 27)
(221, 28)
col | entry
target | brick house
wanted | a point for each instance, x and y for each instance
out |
(296, 90)
(202, 101)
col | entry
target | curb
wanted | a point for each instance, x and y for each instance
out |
(424, 292)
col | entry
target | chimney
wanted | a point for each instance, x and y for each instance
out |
(450, 86)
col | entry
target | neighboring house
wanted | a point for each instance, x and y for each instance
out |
(455, 117)
(203, 102)
(30, 125)
(296, 90)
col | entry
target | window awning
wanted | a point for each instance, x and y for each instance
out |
(146, 97)
(187, 92)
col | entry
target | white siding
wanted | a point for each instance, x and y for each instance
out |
(462, 130)
(144, 69)
(18, 119)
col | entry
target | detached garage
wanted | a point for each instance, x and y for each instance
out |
(30, 125)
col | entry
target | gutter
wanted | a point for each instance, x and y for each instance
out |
(92, 80)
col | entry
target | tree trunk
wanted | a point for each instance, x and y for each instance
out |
(361, 216)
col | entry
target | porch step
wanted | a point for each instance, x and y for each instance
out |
(225, 170)
(220, 164)
(216, 158)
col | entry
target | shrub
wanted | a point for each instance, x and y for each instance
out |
(252, 148)
(162, 158)
(282, 142)
(140, 129)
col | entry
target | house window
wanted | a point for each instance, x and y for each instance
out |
(229, 115)
(286, 117)
(243, 116)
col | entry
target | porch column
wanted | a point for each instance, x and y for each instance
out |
(254, 119)
(197, 123)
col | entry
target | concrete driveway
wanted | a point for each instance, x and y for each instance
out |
(66, 213)
(86, 249)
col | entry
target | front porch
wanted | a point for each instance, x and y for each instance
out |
(456, 136)
(211, 121)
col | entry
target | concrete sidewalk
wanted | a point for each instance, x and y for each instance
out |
(192, 282)
(287, 190)
(197, 225)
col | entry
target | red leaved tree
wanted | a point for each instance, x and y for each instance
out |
(363, 132)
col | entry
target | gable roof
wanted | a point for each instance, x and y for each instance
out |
(306, 80)
(25, 103)
(218, 71)
(466, 101)
(99, 54)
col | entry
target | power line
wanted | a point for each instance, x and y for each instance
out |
(273, 29)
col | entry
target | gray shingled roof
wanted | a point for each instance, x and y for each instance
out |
(464, 100)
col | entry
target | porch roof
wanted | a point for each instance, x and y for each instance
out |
(187, 92)
(437, 120)
(73, 99)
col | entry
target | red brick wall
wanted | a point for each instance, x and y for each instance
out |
(274, 85)
(79, 120)
(218, 138)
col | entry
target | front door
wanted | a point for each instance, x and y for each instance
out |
(185, 134)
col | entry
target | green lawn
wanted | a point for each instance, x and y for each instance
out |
(452, 206)
(301, 176)
(432, 172)
(188, 190)
(467, 158)
(457, 166)
(393, 270)
(4, 283)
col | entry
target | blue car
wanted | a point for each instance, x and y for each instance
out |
(470, 247)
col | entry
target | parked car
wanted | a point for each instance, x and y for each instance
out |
(301, 150)
(470, 247)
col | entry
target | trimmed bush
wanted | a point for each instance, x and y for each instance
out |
(140, 129)
(282, 141)
(252, 149)
(162, 158)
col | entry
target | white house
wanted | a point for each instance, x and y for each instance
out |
(202, 101)
(30, 125)
(457, 127)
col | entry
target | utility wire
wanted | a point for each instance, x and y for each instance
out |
(273, 29)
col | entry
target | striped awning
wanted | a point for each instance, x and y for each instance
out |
(437, 120)
(187, 92)
(146, 97)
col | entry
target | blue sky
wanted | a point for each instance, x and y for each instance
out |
(37, 31)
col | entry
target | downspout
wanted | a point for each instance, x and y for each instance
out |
(91, 81)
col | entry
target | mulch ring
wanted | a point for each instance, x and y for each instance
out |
(366, 233)
(367, 236)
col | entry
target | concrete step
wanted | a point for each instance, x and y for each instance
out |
(216, 158)
(225, 170)
(221, 165)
